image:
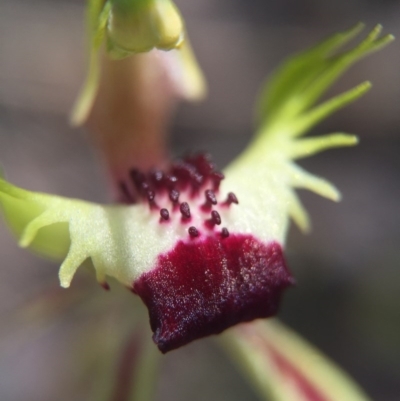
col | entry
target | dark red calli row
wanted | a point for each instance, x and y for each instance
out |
(192, 174)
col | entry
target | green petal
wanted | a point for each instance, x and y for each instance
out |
(84, 103)
(96, 21)
(284, 367)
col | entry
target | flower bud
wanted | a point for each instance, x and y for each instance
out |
(136, 26)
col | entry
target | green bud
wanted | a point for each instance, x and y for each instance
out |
(136, 26)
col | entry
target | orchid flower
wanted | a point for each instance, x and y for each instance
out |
(204, 249)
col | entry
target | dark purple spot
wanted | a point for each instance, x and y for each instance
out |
(193, 232)
(202, 162)
(144, 187)
(157, 178)
(150, 195)
(187, 175)
(170, 181)
(214, 220)
(183, 171)
(215, 217)
(210, 196)
(164, 214)
(185, 210)
(224, 233)
(174, 195)
(105, 285)
(211, 199)
(231, 199)
(197, 180)
(202, 288)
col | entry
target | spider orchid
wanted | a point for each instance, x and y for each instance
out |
(204, 249)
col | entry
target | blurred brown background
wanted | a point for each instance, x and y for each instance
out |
(347, 301)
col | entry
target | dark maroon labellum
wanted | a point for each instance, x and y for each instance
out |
(202, 288)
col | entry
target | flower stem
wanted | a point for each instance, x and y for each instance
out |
(143, 387)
